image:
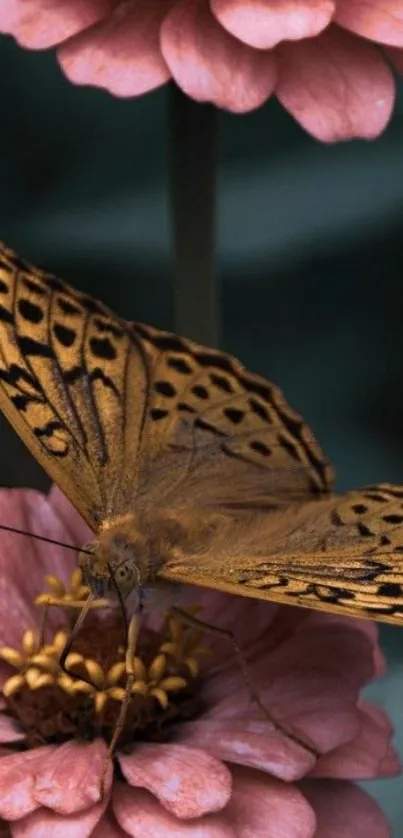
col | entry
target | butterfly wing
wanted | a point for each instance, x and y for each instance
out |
(73, 383)
(341, 553)
(214, 432)
(122, 414)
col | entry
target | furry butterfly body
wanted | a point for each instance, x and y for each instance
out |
(187, 467)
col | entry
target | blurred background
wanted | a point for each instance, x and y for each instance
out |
(310, 262)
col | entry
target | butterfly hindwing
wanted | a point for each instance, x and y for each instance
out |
(342, 553)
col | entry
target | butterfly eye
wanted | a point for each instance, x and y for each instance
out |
(126, 577)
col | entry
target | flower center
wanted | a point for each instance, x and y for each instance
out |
(83, 698)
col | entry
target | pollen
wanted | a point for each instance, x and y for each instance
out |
(82, 696)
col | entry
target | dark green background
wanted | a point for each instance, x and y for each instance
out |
(310, 258)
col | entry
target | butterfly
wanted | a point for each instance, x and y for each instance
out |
(188, 468)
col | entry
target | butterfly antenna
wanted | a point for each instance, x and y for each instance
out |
(44, 538)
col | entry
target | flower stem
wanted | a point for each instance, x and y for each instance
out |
(192, 198)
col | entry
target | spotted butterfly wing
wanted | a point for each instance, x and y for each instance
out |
(125, 416)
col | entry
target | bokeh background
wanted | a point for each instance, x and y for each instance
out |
(310, 262)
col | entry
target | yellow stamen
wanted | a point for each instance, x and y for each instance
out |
(31, 676)
(139, 669)
(193, 666)
(46, 662)
(95, 672)
(139, 688)
(157, 668)
(100, 701)
(161, 697)
(115, 673)
(12, 685)
(12, 657)
(59, 641)
(82, 687)
(66, 683)
(76, 577)
(44, 680)
(56, 585)
(29, 642)
(117, 693)
(172, 683)
(73, 659)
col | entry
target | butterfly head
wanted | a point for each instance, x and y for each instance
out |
(115, 564)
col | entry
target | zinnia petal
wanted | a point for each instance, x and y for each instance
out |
(187, 781)
(336, 86)
(378, 20)
(256, 744)
(44, 823)
(17, 779)
(212, 66)
(264, 23)
(264, 807)
(39, 24)
(360, 759)
(68, 790)
(343, 810)
(121, 53)
(323, 709)
(140, 814)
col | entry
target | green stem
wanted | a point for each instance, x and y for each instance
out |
(192, 193)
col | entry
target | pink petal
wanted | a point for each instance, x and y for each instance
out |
(343, 809)
(368, 627)
(249, 743)
(264, 23)
(212, 66)
(187, 781)
(361, 758)
(39, 24)
(30, 511)
(17, 773)
(336, 86)
(140, 815)
(9, 730)
(310, 684)
(390, 765)
(121, 54)
(378, 20)
(43, 823)
(264, 807)
(68, 791)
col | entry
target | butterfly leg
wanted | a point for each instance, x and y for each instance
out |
(195, 622)
(132, 635)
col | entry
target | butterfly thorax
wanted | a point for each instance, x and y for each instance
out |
(128, 552)
(130, 549)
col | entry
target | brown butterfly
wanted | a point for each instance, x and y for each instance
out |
(189, 468)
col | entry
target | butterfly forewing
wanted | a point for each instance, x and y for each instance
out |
(125, 418)
(68, 376)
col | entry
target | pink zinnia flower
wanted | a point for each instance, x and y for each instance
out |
(326, 60)
(206, 763)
